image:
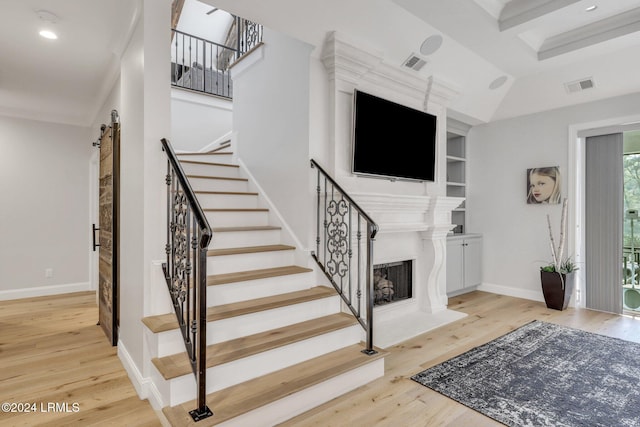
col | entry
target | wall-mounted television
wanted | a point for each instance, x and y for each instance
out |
(391, 140)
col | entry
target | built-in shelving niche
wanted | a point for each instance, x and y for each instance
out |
(457, 172)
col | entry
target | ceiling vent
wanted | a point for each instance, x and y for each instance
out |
(579, 85)
(414, 62)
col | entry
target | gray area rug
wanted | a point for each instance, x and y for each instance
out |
(545, 375)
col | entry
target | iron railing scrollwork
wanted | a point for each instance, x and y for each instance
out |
(344, 249)
(185, 271)
(203, 65)
(249, 34)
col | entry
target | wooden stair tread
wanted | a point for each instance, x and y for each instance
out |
(226, 178)
(217, 354)
(228, 193)
(242, 398)
(216, 153)
(222, 146)
(241, 276)
(194, 162)
(249, 250)
(167, 322)
(248, 228)
(224, 311)
(236, 210)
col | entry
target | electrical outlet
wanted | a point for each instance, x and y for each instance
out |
(48, 273)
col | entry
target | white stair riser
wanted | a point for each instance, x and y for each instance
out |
(254, 366)
(249, 324)
(170, 342)
(211, 170)
(239, 239)
(204, 184)
(237, 218)
(251, 261)
(226, 158)
(164, 343)
(309, 398)
(259, 288)
(236, 201)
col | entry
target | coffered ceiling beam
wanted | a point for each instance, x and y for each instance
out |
(518, 12)
(591, 34)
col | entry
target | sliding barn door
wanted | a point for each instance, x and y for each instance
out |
(603, 226)
(108, 258)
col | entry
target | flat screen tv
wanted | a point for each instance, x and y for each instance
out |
(392, 141)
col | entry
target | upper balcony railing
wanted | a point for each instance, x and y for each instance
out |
(202, 65)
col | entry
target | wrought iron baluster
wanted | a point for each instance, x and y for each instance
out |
(371, 232)
(336, 254)
(167, 247)
(318, 214)
(187, 266)
(175, 71)
(359, 282)
(350, 252)
(324, 259)
(191, 71)
(183, 66)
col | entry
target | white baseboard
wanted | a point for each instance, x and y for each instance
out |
(140, 383)
(512, 292)
(143, 385)
(41, 291)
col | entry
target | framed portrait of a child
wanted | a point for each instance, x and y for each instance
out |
(543, 185)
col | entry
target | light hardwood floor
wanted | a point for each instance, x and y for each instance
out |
(395, 400)
(52, 351)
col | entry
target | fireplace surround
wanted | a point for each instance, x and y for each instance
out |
(392, 282)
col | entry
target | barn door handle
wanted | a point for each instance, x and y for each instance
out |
(95, 245)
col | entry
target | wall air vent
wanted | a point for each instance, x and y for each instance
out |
(414, 62)
(579, 85)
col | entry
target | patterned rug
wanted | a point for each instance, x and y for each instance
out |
(545, 375)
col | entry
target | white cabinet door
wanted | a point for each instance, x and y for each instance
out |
(455, 265)
(464, 263)
(472, 262)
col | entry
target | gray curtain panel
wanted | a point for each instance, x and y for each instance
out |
(604, 220)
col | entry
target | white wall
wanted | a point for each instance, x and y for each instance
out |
(195, 21)
(145, 118)
(515, 234)
(271, 118)
(44, 214)
(198, 120)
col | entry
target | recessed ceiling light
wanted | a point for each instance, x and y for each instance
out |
(591, 8)
(48, 34)
(431, 44)
(498, 82)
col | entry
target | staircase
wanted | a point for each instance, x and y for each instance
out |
(278, 341)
